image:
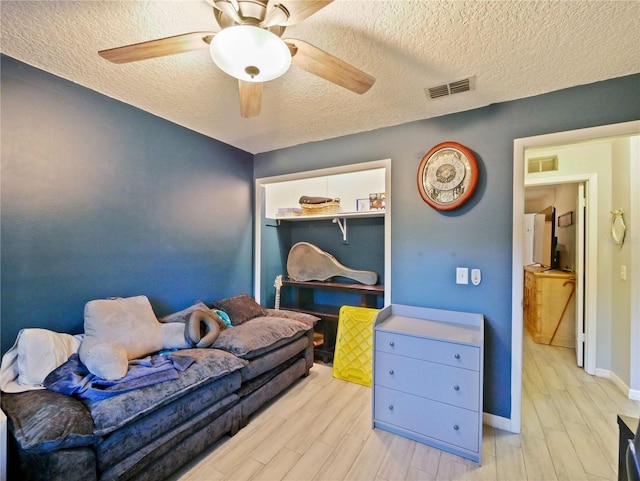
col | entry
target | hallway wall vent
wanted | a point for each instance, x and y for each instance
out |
(542, 164)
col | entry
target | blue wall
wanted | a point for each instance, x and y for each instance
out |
(428, 245)
(101, 199)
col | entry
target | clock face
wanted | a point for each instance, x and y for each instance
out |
(447, 176)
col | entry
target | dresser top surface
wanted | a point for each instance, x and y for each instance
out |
(433, 324)
(539, 271)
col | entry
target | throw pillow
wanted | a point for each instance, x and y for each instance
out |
(184, 314)
(240, 308)
(35, 354)
(258, 336)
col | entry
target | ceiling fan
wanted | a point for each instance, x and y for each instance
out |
(249, 47)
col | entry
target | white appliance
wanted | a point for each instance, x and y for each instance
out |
(527, 239)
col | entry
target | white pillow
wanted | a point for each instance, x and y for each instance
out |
(34, 355)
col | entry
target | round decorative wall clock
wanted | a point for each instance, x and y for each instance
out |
(447, 176)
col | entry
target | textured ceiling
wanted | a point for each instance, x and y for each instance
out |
(511, 49)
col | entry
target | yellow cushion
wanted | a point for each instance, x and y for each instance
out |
(353, 356)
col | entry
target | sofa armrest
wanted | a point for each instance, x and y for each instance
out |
(43, 421)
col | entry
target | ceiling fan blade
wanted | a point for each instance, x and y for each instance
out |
(295, 10)
(320, 63)
(250, 98)
(229, 8)
(158, 48)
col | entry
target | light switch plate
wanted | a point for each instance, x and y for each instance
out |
(462, 275)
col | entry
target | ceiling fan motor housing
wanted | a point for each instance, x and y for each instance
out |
(254, 12)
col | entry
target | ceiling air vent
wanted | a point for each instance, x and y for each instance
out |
(449, 89)
(542, 164)
(440, 91)
(460, 86)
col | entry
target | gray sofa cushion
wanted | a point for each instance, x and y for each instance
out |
(72, 464)
(112, 413)
(272, 359)
(178, 417)
(44, 421)
(308, 319)
(259, 335)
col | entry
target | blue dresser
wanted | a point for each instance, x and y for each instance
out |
(427, 377)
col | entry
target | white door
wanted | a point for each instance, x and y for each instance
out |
(580, 273)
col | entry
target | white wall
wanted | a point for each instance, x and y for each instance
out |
(540, 201)
(348, 187)
(621, 256)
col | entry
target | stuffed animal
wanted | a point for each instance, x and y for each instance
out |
(203, 328)
(118, 330)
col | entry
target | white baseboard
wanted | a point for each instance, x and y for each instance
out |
(498, 422)
(619, 383)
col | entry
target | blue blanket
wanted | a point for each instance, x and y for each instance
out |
(74, 379)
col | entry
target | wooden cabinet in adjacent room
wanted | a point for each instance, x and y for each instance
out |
(549, 305)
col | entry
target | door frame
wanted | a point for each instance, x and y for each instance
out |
(519, 147)
(580, 262)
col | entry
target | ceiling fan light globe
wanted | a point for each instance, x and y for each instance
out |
(242, 50)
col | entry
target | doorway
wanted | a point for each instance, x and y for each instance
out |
(568, 203)
(558, 139)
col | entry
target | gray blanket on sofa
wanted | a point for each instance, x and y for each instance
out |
(74, 379)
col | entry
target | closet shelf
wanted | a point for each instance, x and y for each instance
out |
(340, 219)
(339, 215)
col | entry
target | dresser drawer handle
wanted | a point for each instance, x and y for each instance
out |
(390, 407)
(457, 356)
(392, 343)
(456, 387)
(392, 372)
(456, 427)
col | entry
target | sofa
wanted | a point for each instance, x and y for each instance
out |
(148, 432)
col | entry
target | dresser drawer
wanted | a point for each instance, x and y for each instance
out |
(442, 352)
(451, 385)
(443, 422)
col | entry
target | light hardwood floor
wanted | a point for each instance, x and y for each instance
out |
(320, 429)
